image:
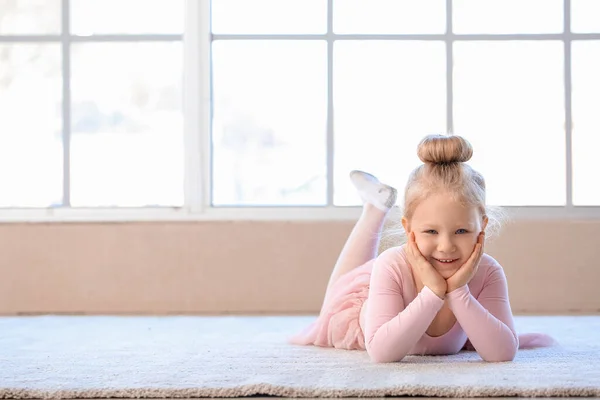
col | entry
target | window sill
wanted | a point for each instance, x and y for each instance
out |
(166, 214)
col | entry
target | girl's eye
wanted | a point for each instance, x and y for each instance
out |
(461, 231)
(431, 231)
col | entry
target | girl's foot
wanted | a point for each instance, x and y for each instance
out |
(372, 191)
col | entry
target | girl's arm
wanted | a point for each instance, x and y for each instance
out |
(391, 329)
(487, 320)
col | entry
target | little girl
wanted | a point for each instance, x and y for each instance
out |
(436, 294)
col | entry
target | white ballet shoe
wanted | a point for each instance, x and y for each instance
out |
(372, 191)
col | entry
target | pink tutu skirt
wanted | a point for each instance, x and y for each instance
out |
(338, 324)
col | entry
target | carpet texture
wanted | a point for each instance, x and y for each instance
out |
(167, 357)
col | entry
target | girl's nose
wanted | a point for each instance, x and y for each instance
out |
(445, 245)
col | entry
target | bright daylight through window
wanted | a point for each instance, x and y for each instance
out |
(301, 92)
(301, 97)
(91, 104)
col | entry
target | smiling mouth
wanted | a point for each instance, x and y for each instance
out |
(446, 260)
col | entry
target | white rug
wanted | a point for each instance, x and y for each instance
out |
(93, 357)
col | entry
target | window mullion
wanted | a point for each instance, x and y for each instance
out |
(66, 103)
(197, 111)
(568, 105)
(449, 62)
(330, 109)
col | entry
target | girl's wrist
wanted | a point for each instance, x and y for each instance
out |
(437, 291)
(441, 293)
(453, 288)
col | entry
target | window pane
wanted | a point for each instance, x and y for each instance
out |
(586, 122)
(507, 16)
(127, 126)
(269, 123)
(29, 17)
(269, 16)
(90, 17)
(584, 16)
(389, 16)
(31, 125)
(509, 103)
(387, 97)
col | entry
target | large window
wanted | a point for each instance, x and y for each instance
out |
(217, 108)
(307, 90)
(91, 103)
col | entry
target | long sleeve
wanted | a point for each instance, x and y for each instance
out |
(391, 329)
(488, 320)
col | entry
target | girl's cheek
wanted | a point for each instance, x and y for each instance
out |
(470, 237)
(470, 240)
(423, 245)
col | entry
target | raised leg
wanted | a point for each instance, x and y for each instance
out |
(363, 242)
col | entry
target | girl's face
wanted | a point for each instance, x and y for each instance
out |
(445, 231)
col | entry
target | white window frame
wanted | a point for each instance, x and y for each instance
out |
(197, 112)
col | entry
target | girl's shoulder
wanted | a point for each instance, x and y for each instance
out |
(489, 262)
(394, 259)
(394, 255)
(489, 270)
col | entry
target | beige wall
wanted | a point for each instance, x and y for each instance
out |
(254, 267)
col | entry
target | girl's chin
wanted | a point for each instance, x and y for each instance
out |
(446, 271)
(447, 274)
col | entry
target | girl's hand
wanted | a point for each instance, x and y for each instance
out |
(423, 269)
(468, 270)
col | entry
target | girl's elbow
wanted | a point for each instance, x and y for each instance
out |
(381, 357)
(381, 352)
(503, 351)
(505, 356)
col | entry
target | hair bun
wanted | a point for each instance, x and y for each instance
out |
(442, 149)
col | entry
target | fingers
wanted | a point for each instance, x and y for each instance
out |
(415, 246)
(416, 253)
(478, 250)
(481, 241)
(411, 243)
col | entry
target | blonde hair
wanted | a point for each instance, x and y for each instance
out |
(444, 169)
